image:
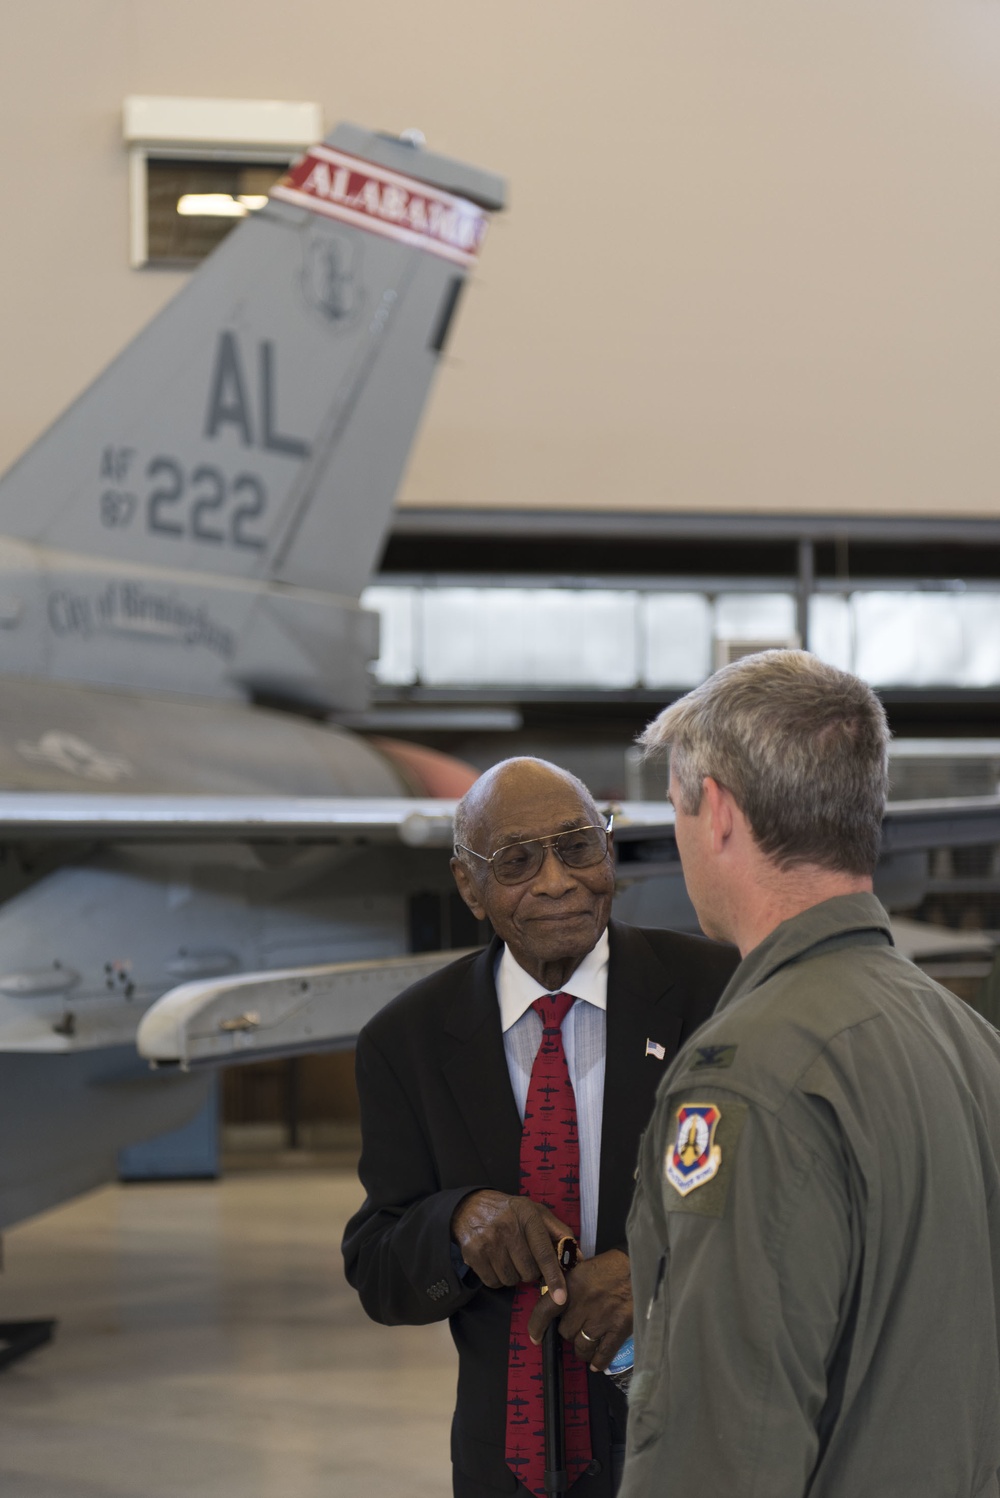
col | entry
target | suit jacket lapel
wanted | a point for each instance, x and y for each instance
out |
(475, 1069)
(638, 986)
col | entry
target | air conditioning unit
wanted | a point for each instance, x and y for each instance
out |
(725, 651)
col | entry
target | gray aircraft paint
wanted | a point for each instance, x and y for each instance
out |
(68, 737)
(194, 532)
(65, 1118)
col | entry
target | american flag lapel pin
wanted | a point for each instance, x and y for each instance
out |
(654, 1048)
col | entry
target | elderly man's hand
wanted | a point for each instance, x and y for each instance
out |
(510, 1240)
(600, 1305)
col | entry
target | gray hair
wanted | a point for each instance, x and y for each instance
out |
(802, 747)
(469, 808)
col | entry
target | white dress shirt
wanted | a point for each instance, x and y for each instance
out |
(585, 1044)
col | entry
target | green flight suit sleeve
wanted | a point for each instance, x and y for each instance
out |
(744, 1282)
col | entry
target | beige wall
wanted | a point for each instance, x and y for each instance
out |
(751, 260)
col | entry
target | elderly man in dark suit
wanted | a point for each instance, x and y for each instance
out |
(540, 1054)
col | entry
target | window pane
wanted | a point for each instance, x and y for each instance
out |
(531, 637)
(831, 630)
(396, 665)
(677, 639)
(927, 639)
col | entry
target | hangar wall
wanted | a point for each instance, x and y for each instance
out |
(749, 265)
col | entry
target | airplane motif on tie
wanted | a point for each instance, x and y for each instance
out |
(571, 1181)
(515, 1407)
(516, 1460)
(548, 1090)
(545, 1148)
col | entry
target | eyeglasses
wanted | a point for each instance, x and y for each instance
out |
(516, 863)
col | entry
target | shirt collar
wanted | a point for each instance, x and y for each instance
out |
(841, 918)
(517, 990)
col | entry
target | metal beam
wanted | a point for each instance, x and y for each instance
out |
(621, 525)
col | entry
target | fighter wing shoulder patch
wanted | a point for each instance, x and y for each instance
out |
(694, 1158)
(701, 1147)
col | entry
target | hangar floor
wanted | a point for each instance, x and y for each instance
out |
(207, 1343)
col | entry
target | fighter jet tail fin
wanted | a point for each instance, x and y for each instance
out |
(259, 426)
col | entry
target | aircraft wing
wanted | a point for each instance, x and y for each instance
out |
(28, 816)
(248, 1016)
(956, 822)
(646, 849)
(259, 1015)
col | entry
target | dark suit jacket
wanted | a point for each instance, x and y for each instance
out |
(439, 1120)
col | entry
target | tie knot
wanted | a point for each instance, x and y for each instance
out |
(552, 1008)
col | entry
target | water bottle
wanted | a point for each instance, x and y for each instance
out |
(620, 1367)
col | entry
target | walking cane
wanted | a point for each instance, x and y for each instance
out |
(553, 1407)
(556, 1480)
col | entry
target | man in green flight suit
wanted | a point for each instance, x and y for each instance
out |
(815, 1237)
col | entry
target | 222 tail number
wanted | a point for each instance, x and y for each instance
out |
(201, 506)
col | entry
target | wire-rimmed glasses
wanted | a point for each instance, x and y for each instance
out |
(516, 863)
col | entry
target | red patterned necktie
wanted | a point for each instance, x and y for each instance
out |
(550, 1174)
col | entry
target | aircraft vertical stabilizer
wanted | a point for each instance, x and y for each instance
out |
(248, 444)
